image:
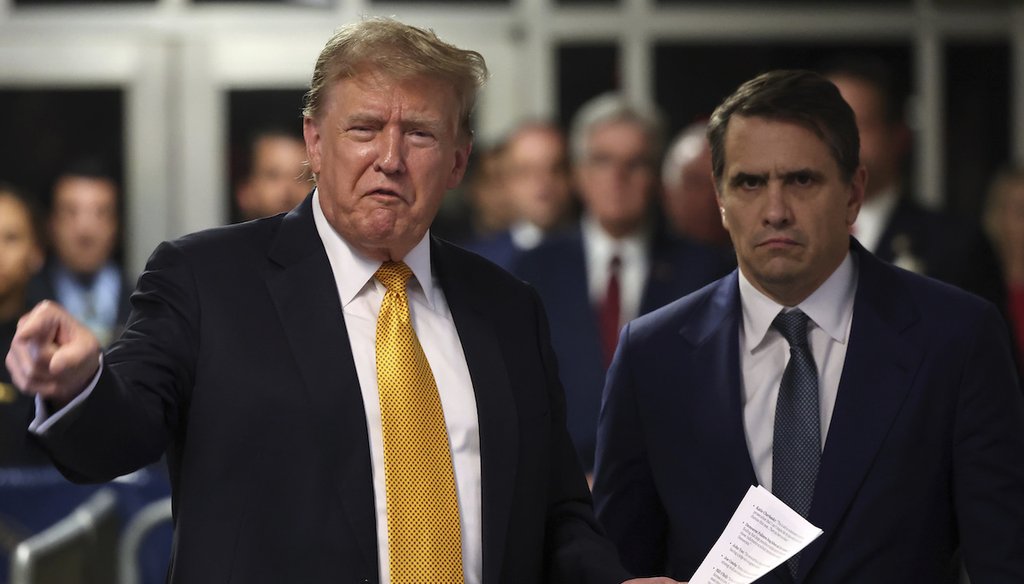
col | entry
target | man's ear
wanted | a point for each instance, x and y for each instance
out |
(718, 199)
(311, 135)
(858, 184)
(462, 153)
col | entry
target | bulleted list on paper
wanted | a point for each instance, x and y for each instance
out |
(762, 534)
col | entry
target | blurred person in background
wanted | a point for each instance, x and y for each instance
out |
(81, 272)
(688, 191)
(892, 223)
(21, 256)
(618, 263)
(534, 174)
(1004, 223)
(480, 208)
(275, 180)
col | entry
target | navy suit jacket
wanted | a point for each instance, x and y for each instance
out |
(557, 269)
(945, 248)
(500, 248)
(236, 361)
(925, 452)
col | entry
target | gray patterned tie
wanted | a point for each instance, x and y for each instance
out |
(796, 450)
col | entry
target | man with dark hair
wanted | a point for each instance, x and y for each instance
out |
(274, 172)
(881, 405)
(341, 397)
(892, 223)
(82, 273)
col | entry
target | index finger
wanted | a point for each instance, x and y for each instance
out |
(39, 325)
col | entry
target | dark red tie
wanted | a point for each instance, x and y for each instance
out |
(609, 311)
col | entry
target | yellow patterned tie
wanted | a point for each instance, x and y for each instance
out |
(424, 537)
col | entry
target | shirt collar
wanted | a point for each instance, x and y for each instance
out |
(359, 270)
(526, 235)
(602, 246)
(874, 214)
(830, 307)
(884, 200)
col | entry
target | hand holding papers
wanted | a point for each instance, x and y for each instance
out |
(762, 534)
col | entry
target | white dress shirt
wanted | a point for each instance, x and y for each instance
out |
(764, 354)
(874, 216)
(525, 235)
(96, 304)
(598, 250)
(361, 296)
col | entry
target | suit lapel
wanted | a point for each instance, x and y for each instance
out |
(496, 408)
(879, 369)
(714, 335)
(306, 298)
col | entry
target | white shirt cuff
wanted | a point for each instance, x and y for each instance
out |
(44, 421)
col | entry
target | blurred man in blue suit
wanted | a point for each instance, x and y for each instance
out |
(881, 405)
(620, 262)
(533, 170)
(893, 224)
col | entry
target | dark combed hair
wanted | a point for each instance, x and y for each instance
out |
(874, 72)
(94, 167)
(801, 97)
(32, 208)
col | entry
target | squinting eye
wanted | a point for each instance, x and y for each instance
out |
(421, 138)
(803, 179)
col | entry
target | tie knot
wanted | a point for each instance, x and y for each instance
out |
(793, 326)
(393, 275)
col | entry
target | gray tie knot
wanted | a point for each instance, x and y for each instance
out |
(793, 326)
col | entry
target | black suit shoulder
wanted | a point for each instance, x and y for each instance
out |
(233, 242)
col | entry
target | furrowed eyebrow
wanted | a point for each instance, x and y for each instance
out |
(742, 177)
(360, 119)
(430, 124)
(802, 173)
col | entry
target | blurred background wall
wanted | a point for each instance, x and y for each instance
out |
(168, 90)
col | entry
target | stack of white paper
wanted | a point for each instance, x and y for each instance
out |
(762, 534)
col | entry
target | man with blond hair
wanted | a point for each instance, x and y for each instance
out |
(340, 396)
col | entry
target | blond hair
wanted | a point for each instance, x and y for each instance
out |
(401, 51)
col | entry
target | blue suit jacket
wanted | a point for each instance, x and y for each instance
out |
(500, 248)
(236, 361)
(925, 451)
(945, 248)
(557, 269)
